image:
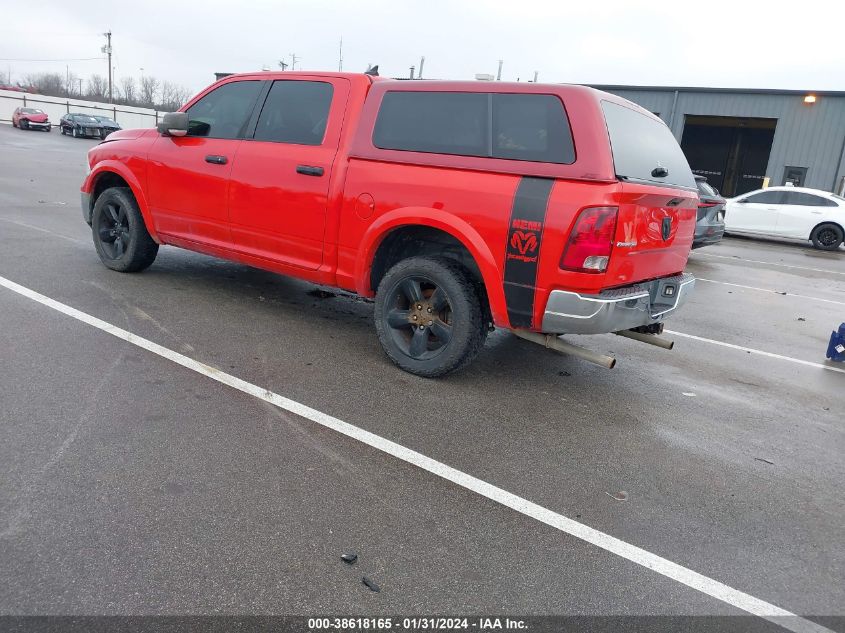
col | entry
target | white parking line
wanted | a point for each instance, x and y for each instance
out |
(751, 350)
(656, 563)
(38, 228)
(757, 261)
(776, 292)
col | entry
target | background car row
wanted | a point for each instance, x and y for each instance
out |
(74, 123)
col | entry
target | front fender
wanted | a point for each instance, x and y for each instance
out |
(120, 169)
(446, 222)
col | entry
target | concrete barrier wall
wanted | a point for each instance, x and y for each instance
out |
(57, 107)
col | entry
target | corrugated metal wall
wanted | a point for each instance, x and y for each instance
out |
(811, 136)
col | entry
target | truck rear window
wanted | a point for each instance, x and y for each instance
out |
(641, 144)
(531, 127)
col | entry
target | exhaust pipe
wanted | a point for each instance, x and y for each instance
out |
(559, 345)
(651, 339)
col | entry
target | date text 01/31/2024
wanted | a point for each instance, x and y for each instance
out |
(481, 624)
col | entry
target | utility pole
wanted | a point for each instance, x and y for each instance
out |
(340, 57)
(293, 60)
(535, 76)
(107, 50)
(499, 74)
(422, 61)
(67, 81)
(412, 72)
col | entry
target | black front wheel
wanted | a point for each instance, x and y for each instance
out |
(428, 315)
(120, 236)
(827, 237)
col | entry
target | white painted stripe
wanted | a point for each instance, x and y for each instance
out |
(757, 261)
(756, 351)
(776, 292)
(38, 228)
(637, 555)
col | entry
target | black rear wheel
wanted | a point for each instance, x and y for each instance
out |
(120, 236)
(827, 237)
(428, 316)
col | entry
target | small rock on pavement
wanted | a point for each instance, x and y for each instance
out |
(348, 557)
(370, 584)
(619, 496)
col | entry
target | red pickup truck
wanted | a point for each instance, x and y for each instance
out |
(459, 206)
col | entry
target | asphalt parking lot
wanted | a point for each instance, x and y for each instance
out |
(134, 485)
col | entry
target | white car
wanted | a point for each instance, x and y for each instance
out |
(789, 212)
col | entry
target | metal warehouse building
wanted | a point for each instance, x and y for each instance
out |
(737, 138)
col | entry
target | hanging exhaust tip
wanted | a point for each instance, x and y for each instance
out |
(559, 345)
(651, 339)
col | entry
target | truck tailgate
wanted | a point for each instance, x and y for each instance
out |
(654, 233)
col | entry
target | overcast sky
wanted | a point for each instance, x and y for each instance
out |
(715, 43)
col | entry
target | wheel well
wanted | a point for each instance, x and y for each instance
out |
(106, 180)
(415, 240)
(832, 223)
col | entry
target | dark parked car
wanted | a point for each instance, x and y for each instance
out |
(109, 125)
(710, 223)
(30, 119)
(77, 125)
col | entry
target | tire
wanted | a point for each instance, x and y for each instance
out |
(827, 237)
(120, 236)
(447, 307)
(75, 133)
(24, 124)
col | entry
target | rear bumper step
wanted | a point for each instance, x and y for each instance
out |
(617, 309)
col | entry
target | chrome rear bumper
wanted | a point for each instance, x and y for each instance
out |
(617, 309)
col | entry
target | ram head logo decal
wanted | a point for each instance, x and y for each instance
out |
(524, 241)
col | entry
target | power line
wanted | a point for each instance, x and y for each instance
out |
(67, 59)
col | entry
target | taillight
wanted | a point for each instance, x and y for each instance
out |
(707, 205)
(589, 245)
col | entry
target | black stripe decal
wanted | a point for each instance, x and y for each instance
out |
(522, 252)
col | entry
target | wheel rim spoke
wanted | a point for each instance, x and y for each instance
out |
(442, 331)
(121, 215)
(419, 343)
(118, 246)
(438, 299)
(112, 213)
(106, 236)
(398, 319)
(411, 289)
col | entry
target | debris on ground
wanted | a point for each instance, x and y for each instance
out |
(760, 459)
(349, 557)
(619, 496)
(372, 586)
(689, 394)
(563, 373)
(320, 293)
(801, 319)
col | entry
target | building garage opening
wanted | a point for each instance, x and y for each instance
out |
(731, 152)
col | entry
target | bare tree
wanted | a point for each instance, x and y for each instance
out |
(173, 96)
(149, 90)
(52, 84)
(72, 85)
(127, 86)
(97, 86)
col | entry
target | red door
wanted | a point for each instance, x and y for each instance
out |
(188, 177)
(280, 179)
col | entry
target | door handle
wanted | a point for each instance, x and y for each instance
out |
(308, 170)
(216, 159)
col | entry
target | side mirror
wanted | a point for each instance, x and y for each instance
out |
(173, 124)
(743, 201)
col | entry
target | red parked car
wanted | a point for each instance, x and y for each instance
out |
(31, 119)
(459, 206)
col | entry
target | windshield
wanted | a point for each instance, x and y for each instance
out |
(105, 119)
(84, 118)
(31, 111)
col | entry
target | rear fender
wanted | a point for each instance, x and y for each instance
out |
(448, 223)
